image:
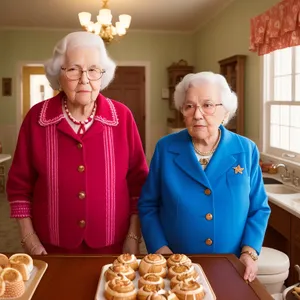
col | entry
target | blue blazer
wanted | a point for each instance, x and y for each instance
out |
(179, 195)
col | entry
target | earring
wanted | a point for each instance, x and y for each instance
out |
(59, 86)
(222, 123)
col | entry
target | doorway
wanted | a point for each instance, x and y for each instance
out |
(128, 87)
(35, 87)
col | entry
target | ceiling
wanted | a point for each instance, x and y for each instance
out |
(165, 15)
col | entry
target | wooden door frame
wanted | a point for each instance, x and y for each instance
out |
(146, 65)
(19, 92)
(121, 63)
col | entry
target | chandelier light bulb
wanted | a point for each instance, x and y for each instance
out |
(103, 26)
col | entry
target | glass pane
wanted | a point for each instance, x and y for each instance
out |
(283, 62)
(295, 117)
(285, 115)
(297, 86)
(274, 136)
(275, 114)
(295, 140)
(283, 88)
(284, 138)
(297, 59)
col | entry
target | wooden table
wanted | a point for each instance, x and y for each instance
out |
(76, 277)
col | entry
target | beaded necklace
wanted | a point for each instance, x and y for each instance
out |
(81, 124)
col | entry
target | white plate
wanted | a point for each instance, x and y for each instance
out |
(209, 294)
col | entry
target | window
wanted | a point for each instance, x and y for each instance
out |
(281, 111)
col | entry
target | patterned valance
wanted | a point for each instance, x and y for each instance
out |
(277, 28)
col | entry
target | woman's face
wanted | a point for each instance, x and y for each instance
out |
(82, 91)
(199, 124)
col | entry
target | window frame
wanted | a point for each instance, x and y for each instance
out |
(267, 91)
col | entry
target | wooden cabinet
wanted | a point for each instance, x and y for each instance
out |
(233, 69)
(283, 233)
(176, 72)
(295, 246)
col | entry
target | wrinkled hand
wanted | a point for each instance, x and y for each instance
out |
(33, 246)
(164, 250)
(131, 246)
(251, 267)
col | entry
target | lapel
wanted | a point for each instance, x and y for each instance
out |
(186, 159)
(224, 157)
(52, 114)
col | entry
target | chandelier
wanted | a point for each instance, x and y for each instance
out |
(103, 26)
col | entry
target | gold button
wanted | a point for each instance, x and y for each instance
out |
(79, 146)
(81, 195)
(208, 217)
(81, 224)
(207, 192)
(81, 168)
(208, 242)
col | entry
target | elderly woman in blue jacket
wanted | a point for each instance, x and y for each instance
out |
(204, 192)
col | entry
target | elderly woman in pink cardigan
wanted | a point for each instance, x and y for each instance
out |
(79, 164)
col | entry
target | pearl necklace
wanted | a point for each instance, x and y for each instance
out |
(212, 150)
(81, 124)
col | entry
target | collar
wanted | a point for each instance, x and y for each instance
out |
(52, 113)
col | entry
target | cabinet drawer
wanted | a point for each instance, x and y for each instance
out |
(280, 220)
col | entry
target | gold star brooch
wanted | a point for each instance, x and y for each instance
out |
(238, 169)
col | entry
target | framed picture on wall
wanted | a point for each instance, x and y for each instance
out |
(6, 86)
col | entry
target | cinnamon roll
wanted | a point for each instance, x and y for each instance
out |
(151, 279)
(114, 270)
(189, 290)
(4, 261)
(120, 288)
(148, 290)
(184, 276)
(128, 259)
(13, 282)
(180, 269)
(23, 263)
(168, 296)
(153, 263)
(176, 259)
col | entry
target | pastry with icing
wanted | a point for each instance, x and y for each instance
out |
(153, 263)
(117, 269)
(148, 290)
(181, 269)
(178, 259)
(181, 277)
(189, 290)
(151, 279)
(128, 259)
(120, 288)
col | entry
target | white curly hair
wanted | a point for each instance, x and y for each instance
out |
(227, 97)
(73, 40)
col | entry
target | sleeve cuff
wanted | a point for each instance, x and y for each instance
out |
(20, 209)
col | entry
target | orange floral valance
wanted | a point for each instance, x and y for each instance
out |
(277, 28)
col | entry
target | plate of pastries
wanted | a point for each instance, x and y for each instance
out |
(153, 277)
(19, 276)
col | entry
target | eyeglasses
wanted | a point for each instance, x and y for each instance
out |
(207, 108)
(75, 73)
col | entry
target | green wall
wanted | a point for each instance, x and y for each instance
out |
(228, 35)
(158, 49)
